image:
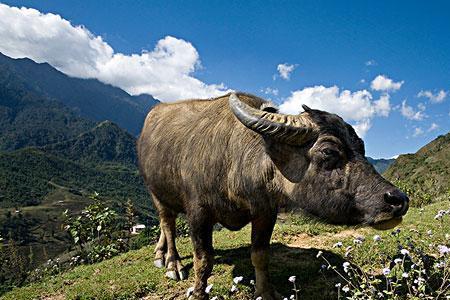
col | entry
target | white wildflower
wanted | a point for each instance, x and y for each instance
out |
(208, 288)
(338, 285)
(189, 291)
(252, 282)
(377, 238)
(292, 279)
(405, 275)
(398, 261)
(319, 254)
(358, 240)
(348, 251)
(237, 279)
(438, 216)
(346, 265)
(443, 249)
(337, 245)
(233, 288)
(346, 289)
(386, 271)
(404, 252)
(430, 232)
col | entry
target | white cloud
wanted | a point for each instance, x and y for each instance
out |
(362, 127)
(417, 132)
(383, 106)
(285, 70)
(358, 107)
(409, 112)
(434, 98)
(166, 72)
(371, 62)
(383, 83)
(270, 91)
(433, 127)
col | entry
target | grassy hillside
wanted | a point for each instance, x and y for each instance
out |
(296, 242)
(427, 170)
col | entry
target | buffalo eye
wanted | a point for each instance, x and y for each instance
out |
(330, 158)
(330, 152)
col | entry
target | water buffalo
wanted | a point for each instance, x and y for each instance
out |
(235, 160)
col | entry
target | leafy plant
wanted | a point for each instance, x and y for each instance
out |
(95, 231)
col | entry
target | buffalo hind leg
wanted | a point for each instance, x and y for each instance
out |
(261, 234)
(166, 253)
(201, 234)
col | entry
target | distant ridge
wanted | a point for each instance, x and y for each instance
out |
(90, 98)
(381, 164)
(428, 169)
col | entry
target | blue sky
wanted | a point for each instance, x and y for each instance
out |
(240, 45)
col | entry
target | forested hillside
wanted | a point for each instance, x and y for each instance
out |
(58, 146)
(428, 169)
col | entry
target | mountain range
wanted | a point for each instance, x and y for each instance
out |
(61, 140)
(88, 98)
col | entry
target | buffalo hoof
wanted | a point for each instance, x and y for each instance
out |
(176, 271)
(159, 263)
(172, 275)
(202, 296)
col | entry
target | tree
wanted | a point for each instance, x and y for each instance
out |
(130, 214)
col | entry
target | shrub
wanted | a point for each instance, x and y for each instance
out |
(96, 232)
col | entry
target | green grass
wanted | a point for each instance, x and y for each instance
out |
(295, 243)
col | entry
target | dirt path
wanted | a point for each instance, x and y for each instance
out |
(323, 240)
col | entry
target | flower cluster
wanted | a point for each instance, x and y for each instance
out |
(412, 272)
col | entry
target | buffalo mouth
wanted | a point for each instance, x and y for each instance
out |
(387, 224)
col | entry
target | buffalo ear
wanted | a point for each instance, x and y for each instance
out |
(306, 108)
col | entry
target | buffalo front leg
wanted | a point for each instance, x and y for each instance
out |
(201, 234)
(261, 233)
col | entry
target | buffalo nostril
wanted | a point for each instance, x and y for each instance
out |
(393, 199)
(398, 200)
